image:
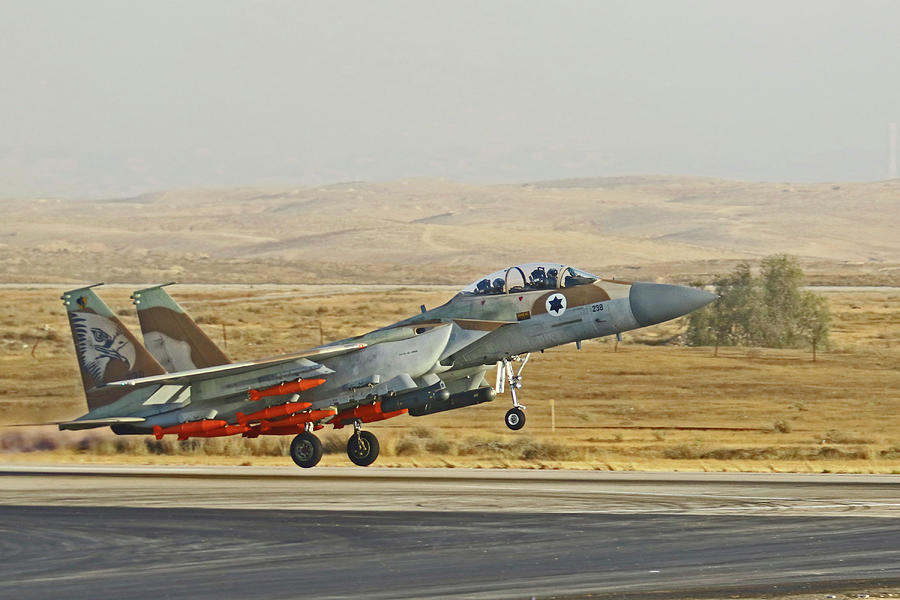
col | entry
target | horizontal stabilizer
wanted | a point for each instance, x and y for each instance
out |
(91, 423)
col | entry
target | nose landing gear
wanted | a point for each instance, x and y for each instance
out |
(515, 417)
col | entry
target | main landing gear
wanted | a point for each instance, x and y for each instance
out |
(306, 450)
(515, 417)
(362, 448)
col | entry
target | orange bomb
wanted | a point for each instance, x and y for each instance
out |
(273, 411)
(188, 429)
(291, 387)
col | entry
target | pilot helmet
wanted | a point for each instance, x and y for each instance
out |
(498, 284)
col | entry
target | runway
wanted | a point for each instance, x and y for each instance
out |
(220, 532)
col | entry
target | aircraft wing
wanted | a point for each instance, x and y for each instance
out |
(187, 377)
(91, 423)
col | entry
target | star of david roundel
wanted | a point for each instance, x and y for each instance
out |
(556, 304)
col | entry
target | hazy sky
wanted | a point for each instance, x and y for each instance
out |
(117, 98)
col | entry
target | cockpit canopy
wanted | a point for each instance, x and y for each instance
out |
(528, 277)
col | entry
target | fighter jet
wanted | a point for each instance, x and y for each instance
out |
(180, 383)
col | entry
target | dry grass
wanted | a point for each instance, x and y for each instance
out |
(641, 407)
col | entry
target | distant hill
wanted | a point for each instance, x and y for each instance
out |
(427, 231)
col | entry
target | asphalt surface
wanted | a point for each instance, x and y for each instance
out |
(383, 533)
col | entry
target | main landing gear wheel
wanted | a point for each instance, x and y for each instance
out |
(362, 448)
(515, 418)
(306, 450)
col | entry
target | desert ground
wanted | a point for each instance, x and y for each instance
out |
(674, 229)
(646, 403)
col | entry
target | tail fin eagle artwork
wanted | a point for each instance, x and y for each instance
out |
(107, 351)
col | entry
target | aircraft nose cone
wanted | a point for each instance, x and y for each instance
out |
(653, 303)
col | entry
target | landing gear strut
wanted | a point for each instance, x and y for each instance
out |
(362, 447)
(515, 417)
(306, 450)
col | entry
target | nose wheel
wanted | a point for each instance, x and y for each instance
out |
(515, 417)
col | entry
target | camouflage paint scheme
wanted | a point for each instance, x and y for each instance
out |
(182, 383)
(171, 335)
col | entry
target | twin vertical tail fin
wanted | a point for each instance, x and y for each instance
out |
(107, 351)
(171, 336)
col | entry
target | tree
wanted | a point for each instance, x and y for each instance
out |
(771, 309)
(730, 321)
(781, 282)
(815, 320)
